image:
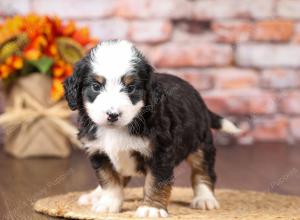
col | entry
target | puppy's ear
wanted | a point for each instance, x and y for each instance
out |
(72, 85)
(155, 91)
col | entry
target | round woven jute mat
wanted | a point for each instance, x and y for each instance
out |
(245, 205)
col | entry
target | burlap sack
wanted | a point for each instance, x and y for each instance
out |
(33, 124)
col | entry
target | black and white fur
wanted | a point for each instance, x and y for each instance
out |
(158, 121)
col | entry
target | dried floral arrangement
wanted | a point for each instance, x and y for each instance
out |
(36, 54)
(43, 44)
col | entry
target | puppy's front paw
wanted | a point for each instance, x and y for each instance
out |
(107, 205)
(111, 201)
(205, 203)
(150, 212)
(90, 198)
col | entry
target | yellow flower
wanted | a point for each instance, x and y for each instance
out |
(53, 50)
(32, 54)
(57, 90)
(18, 63)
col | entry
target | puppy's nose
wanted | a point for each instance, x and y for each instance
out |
(112, 116)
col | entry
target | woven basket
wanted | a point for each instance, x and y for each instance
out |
(242, 205)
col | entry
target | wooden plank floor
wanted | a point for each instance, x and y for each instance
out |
(274, 168)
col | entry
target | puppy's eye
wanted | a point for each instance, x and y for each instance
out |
(96, 87)
(130, 89)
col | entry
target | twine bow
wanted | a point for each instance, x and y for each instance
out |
(26, 110)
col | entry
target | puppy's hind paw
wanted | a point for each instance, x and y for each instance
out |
(205, 203)
(150, 212)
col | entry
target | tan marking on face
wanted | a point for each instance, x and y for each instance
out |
(128, 79)
(100, 79)
(156, 194)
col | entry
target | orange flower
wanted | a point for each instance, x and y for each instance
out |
(68, 30)
(14, 62)
(9, 61)
(5, 71)
(52, 50)
(39, 42)
(58, 71)
(57, 90)
(68, 70)
(10, 66)
(62, 69)
(32, 54)
(18, 63)
(82, 36)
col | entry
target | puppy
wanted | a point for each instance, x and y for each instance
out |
(135, 121)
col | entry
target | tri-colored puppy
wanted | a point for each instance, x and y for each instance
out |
(135, 121)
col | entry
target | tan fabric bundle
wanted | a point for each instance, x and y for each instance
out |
(33, 124)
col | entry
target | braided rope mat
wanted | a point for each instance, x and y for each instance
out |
(245, 205)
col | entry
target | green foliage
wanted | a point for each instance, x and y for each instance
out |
(42, 65)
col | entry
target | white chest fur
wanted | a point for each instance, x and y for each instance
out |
(118, 144)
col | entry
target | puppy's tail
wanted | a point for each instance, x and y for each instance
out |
(223, 124)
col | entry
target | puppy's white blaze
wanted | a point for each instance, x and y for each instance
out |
(228, 126)
(113, 59)
(204, 198)
(111, 200)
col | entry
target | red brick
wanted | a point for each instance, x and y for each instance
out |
(133, 9)
(218, 9)
(152, 31)
(146, 49)
(241, 102)
(271, 130)
(232, 31)
(183, 36)
(268, 55)
(193, 55)
(280, 79)
(200, 79)
(108, 28)
(288, 9)
(295, 128)
(290, 102)
(154, 9)
(76, 8)
(233, 78)
(273, 30)
(296, 37)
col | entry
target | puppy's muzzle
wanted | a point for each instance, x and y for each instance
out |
(112, 116)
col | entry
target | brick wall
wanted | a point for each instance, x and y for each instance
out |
(242, 55)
